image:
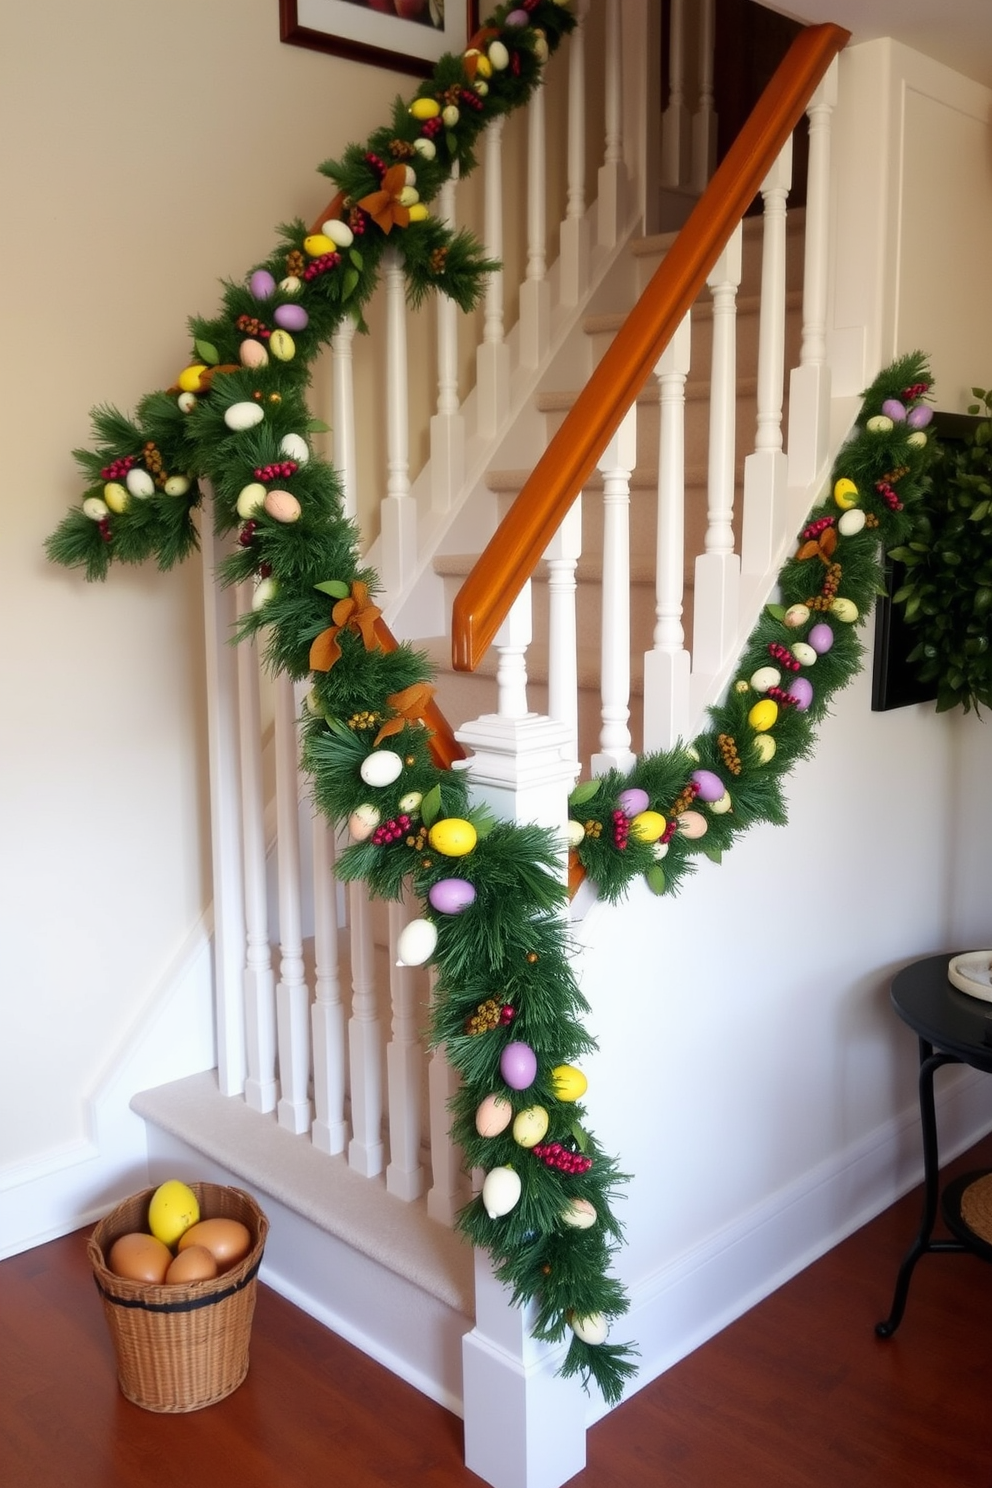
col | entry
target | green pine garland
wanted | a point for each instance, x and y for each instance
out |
(504, 960)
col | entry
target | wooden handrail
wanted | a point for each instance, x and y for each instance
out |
(515, 549)
(444, 747)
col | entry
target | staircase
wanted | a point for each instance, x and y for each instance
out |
(324, 1102)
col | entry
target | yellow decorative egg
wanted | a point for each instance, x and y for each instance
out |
(763, 715)
(453, 836)
(418, 212)
(177, 485)
(317, 244)
(115, 495)
(845, 493)
(425, 108)
(568, 1083)
(647, 826)
(530, 1126)
(796, 615)
(764, 747)
(844, 609)
(282, 346)
(189, 378)
(173, 1208)
(250, 498)
(721, 806)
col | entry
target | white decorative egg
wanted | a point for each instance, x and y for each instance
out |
(804, 654)
(250, 499)
(425, 148)
(265, 590)
(411, 802)
(362, 822)
(291, 285)
(880, 424)
(450, 116)
(95, 508)
(187, 402)
(241, 416)
(765, 677)
(575, 832)
(499, 55)
(416, 943)
(500, 1191)
(796, 615)
(381, 768)
(177, 485)
(294, 447)
(580, 1214)
(723, 805)
(339, 233)
(851, 522)
(592, 1329)
(140, 484)
(659, 850)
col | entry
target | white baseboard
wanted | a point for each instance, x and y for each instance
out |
(696, 1296)
(76, 1184)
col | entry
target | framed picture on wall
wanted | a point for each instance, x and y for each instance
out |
(405, 35)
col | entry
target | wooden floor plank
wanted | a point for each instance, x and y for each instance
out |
(799, 1393)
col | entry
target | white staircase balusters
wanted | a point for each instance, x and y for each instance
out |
(449, 1189)
(404, 1068)
(398, 509)
(261, 1089)
(704, 119)
(330, 1130)
(535, 291)
(676, 141)
(616, 464)
(562, 559)
(575, 236)
(292, 992)
(611, 204)
(511, 643)
(448, 423)
(666, 665)
(220, 614)
(717, 570)
(365, 1150)
(343, 415)
(809, 388)
(492, 370)
(766, 469)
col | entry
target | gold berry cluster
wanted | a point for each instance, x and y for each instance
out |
(364, 720)
(831, 584)
(487, 1016)
(295, 264)
(727, 746)
(152, 457)
(439, 260)
(593, 828)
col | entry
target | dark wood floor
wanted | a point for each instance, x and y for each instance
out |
(797, 1394)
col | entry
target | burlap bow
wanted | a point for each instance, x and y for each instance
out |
(356, 613)
(408, 706)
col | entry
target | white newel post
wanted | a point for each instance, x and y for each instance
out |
(666, 665)
(766, 468)
(809, 387)
(524, 1425)
(219, 611)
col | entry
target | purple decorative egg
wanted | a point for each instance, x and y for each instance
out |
(451, 895)
(821, 638)
(291, 317)
(711, 787)
(262, 284)
(518, 1065)
(801, 693)
(893, 409)
(920, 416)
(634, 800)
(517, 18)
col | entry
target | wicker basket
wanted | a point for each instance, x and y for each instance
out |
(180, 1348)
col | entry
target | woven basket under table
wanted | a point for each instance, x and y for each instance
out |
(180, 1348)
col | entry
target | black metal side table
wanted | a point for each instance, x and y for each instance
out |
(952, 1028)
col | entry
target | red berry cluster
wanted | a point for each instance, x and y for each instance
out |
(815, 528)
(783, 656)
(321, 265)
(357, 220)
(621, 829)
(554, 1155)
(282, 470)
(430, 127)
(471, 100)
(887, 491)
(119, 468)
(392, 831)
(785, 699)
(910, 394)
(103, 527)
(377, 165)
(250, 325)
(247, 534)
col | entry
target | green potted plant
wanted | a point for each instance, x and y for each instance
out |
(946, 590)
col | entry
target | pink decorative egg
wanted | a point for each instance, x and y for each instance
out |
(451, 895)
(262, 284)
(920, 416)
(711, 787)
(893, 409)
(517, 18)
(291, 317)
(518, 1065)
(634, 800)
(821, 638)
(801, 693)
(282, 506)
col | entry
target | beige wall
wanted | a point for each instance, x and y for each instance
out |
(149, 151)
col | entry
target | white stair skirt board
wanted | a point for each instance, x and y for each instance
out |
(375, 1270)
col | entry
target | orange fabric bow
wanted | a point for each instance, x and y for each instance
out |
(384, 206)
(357, 614)
(822, 547)
(408, 706)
